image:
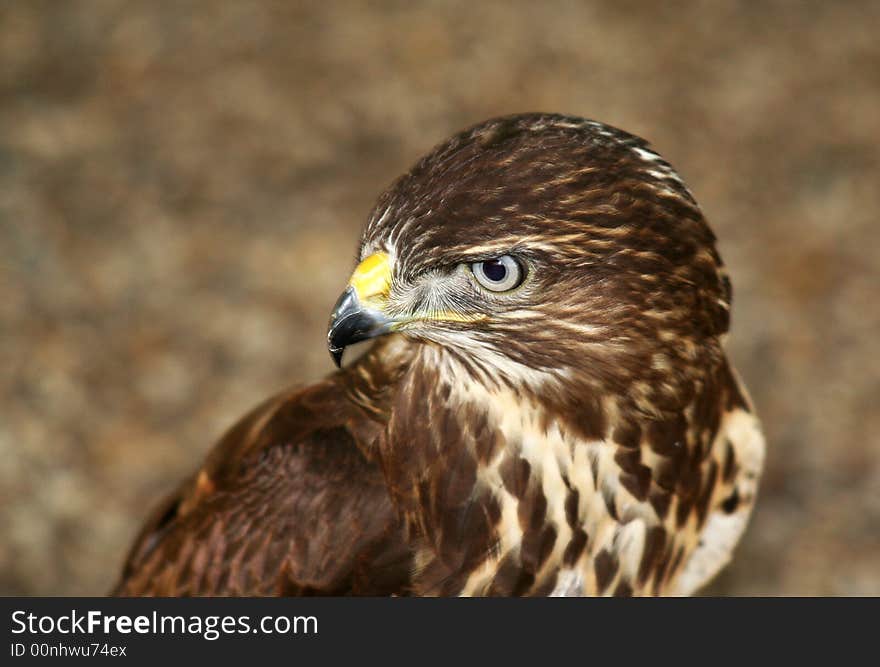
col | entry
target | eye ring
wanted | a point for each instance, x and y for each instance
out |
(499, 274)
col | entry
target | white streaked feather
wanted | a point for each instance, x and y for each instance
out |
(570, 584)
(723, 531)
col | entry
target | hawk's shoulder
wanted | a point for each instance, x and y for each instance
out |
(290, 501)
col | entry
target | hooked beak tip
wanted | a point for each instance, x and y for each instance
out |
(352, 322)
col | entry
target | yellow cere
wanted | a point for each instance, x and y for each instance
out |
(372, 277)
(371, 281)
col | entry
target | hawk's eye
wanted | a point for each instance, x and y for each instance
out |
(498, 275)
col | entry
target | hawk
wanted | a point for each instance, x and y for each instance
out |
(548, 409)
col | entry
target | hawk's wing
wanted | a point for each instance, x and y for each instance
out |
(289, 502)
(739, 460)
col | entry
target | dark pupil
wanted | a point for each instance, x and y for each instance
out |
(494, 270)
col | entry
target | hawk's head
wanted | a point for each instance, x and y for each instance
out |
(540, 248)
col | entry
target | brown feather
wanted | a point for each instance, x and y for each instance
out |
(291, 501)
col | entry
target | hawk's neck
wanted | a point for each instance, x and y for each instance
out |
(533, 492)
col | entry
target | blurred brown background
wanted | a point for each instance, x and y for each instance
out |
(182, 186)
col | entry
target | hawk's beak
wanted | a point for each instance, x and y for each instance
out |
(358, 315)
